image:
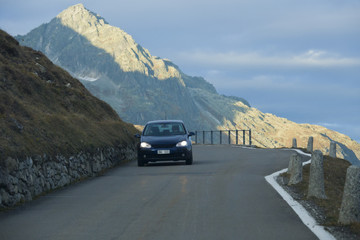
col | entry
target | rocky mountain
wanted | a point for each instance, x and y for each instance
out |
(44, 110)
(271, 131)
(116, 69)
(142, 87)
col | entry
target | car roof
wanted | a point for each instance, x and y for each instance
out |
(165, 121)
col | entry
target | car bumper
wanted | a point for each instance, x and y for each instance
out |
(174, 154)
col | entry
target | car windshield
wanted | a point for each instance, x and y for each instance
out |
(164, 129)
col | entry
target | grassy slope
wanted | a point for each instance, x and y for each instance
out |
(44, 110)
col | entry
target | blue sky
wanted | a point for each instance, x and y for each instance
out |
(296, 59)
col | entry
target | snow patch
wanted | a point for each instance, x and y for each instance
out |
(207, 113)
(87, 78)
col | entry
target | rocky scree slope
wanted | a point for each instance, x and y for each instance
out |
(142, 87)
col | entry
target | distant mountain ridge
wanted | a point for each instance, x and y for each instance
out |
(142, 87)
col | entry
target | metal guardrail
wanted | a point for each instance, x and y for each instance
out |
(223, 137)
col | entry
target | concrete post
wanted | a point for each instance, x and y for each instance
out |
(316, 181)
(310, 144)
(350, 206)
(295, 169)
(294, 144)
(332, 149)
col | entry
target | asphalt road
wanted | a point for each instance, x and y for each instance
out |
(222, 196)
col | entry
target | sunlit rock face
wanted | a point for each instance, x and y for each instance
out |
(271, 131)
(130, 56)
(139, 86)
(142, 87)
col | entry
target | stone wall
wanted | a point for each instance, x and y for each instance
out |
(23, 179)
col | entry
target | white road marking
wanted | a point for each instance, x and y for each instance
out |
(305, 217)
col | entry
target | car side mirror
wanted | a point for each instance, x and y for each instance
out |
(191, 134)
(137, 135)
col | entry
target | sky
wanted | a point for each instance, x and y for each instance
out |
(296, 59)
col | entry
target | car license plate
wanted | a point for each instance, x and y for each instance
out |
(163, 151)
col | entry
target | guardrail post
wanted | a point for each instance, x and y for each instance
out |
(250, 137)
(332, 152)
(310, 144)
(213, 138)
(295, 169)
(237, 134)
(243, 137)
(316, 180)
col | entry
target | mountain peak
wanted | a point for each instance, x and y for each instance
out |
(76, 14)
(130, 56)
(73, 10)
(76, 6)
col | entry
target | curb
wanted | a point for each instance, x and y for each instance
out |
(305, 217)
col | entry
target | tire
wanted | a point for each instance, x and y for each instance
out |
(189, 160)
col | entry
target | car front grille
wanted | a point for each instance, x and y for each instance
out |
(163, 145)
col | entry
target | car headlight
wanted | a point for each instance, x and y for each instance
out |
(145, 145)
(182, 144)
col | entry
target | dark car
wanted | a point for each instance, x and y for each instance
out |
(165, 140)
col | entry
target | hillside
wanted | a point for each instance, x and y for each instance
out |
(141, 87)
(43, 110)
(271, 131)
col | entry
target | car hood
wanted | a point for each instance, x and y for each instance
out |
(163, 139)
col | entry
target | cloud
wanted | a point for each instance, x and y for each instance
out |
(329, 125)
(257, 82)
(286, 85)
(311, 59)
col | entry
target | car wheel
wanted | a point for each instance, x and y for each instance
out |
(189, 160)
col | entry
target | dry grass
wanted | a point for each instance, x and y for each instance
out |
(44, 110)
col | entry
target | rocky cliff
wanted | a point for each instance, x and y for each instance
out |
(142, 87)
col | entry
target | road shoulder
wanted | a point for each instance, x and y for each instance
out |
(303, 214)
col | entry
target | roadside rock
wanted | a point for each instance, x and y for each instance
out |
(294, 143)
(350, 206)
(316, 180)
(332, 149)
(295, 169)
(310, 144)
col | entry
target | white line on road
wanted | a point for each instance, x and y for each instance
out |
(305, 217)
